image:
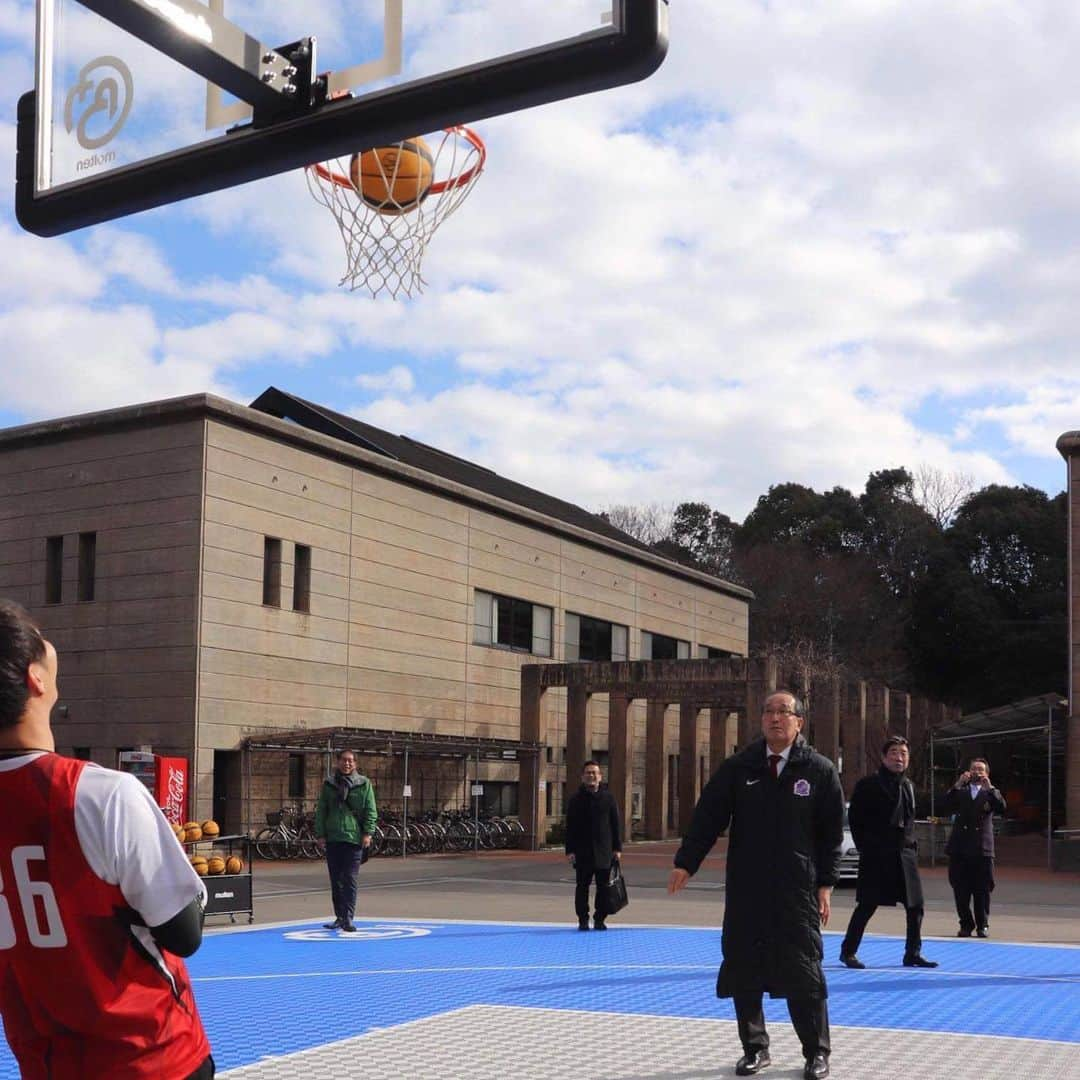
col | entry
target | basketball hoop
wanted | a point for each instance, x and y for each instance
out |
(385, 241)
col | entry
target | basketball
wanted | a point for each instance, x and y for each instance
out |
(210, 828)
(200, 865)
(234, 864)
(215, 865)
(179, 830)
(394, 179)
(192, 831)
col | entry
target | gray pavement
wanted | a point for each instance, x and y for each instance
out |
(1029, 905)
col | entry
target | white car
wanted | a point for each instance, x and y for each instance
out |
(849, 854)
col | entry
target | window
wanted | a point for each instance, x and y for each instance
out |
(296, 776)
(54, 569)
(508, 623)
(301, 594)
(272, 572)
(594, 639)
(707, 652)
(662, 647)
(548, 789)
(549, 754)
(87, 565)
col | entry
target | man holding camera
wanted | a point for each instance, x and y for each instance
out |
(973, 801)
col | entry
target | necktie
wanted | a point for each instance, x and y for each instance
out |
(774, 764)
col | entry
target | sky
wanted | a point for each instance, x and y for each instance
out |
(826, 237)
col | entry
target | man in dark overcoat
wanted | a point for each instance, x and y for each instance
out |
(593, 843)
(882, 821)
(785, 808)
(974, 801)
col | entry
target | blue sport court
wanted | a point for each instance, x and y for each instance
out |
(445, 999)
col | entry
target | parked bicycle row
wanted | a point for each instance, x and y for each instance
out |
(290, 833)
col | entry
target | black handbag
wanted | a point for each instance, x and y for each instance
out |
(615, 890)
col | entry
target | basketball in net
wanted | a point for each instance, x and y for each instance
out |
(389, 200)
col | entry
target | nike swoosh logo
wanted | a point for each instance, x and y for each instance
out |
(749, 783)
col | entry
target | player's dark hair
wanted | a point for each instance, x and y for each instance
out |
(21, 645)
(588, 763)
(893, 740)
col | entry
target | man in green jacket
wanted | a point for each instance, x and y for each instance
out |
(345, 819)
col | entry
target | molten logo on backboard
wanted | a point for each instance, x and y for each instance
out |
(102, 101)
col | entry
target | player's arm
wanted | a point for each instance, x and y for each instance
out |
(182, 934)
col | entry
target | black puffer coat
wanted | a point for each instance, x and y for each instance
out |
(785, 841)
(888, 862)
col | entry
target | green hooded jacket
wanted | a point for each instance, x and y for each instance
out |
(346, 822)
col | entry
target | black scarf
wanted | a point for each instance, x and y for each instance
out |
(900, 788)
(345, 784)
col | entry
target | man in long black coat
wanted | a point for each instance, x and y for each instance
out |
(974, 801)
(882, 820)
(785, 808)
(593, 842)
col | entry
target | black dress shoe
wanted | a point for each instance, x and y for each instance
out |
(965, 931)
(919, 961)
(599, 924)
(983, 931)
(852, 961)
(752, 1063)
(335, 925)
(816, 1067)
(348, 928)
(583, 924)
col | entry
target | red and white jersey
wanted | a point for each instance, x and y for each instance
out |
(83, 992)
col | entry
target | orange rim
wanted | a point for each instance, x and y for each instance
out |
(439, 186)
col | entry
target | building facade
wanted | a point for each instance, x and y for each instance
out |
(1069, 447)
(210, 572)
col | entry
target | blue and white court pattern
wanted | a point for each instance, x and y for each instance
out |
(444, 1000)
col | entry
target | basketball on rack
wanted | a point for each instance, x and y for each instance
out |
(394, 179)
(215, 865)
(200, 864)
(234, 864)
(192, 831)
(210, 828)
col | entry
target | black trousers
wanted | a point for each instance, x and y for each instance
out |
(972, 878)
(585, 874)
(809, 1017)
(862, 915)
(343, 863)
(205, 1071)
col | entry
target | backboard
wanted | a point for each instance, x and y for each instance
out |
(128, 112)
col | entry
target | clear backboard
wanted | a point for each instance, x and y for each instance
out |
(138, 103)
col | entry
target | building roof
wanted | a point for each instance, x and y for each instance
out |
(438, 462)
(1029, 716)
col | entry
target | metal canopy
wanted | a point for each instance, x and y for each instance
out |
(1027, 719)
(379, 741)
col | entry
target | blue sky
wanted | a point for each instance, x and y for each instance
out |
(827, 237)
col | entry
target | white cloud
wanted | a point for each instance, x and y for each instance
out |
(398, 379)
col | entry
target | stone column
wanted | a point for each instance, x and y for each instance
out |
(531, 798)
(825, 718)
(918, 738)
(688, 764)
(577, 735)
(877, 724)
(853, 733)
(900, 714)
(717, 737)
(655, 771)
(619, 766)
(760, 683)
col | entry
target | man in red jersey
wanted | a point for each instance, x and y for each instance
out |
(98, 901)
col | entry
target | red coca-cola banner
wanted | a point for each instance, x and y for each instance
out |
(171, 788)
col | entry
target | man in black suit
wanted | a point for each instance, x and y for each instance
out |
(882, 820)
(593, 842)
(973, 801)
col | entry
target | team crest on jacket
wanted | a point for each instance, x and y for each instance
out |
(802, 787)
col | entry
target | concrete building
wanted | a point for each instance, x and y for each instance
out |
(210, 572)
(1069, 447)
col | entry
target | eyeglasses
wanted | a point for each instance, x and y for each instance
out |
(780, 712)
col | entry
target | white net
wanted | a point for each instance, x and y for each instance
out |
(385, 244)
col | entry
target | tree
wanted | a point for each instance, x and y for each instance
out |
(941, 493)
(650, 524)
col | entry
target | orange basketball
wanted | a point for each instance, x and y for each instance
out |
(215, 865)
(210, 828)
(234, 864)
(200, 864)
(394, 179)
(192, 831)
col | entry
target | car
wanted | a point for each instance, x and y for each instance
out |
(849, 854)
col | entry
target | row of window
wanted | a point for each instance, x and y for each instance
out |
(509, 623)
(301, 594)
(54, 568)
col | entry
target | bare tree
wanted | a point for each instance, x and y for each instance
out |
(649, 524)
(942, 493)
